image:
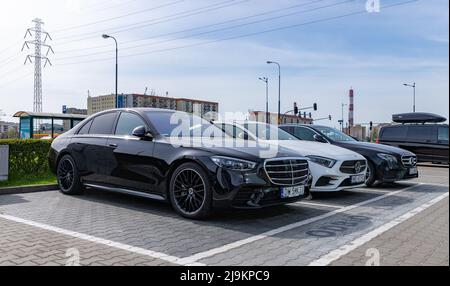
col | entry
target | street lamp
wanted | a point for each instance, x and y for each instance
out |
(266, 80)
(117, 64)
(279, 88)
(414, 95)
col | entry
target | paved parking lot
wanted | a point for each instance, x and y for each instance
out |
(356, 227)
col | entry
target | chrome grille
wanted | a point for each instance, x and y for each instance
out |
(409, 161)
(287, 172)
(353, 167)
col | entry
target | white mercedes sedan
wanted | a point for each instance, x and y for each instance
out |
(333, 168)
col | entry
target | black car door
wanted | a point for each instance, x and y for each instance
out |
(133, 165)
(421, 140)
(89, 148)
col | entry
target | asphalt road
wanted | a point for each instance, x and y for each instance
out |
(400, 224)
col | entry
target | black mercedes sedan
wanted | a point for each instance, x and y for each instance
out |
(386, 164)
(175, 157)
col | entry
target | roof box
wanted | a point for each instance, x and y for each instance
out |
(418, 117)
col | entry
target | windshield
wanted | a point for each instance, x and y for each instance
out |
(334, 134)
(268, 132)
(180, 124)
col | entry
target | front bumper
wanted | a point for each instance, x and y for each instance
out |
(248, 190)
(394, 175)
(332, 179)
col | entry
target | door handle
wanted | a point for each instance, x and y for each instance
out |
(113, 145)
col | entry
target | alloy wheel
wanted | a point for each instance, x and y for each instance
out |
(189, 191)
(66, 174)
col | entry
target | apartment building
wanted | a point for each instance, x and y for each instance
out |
(105, 102)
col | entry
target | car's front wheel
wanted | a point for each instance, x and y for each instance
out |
(370, 175)
(190, 191)
(67, 174)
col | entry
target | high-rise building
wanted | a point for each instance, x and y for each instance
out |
(105, 102)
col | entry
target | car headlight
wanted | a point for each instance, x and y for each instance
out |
(233, 163)
(323, 161)
(390, 159)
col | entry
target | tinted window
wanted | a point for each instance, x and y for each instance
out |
(85, 128)
(304, 133)
(103, 124)
(443, 134)
(236, 132)
(127, 123)
(288, 129)
(394, 133)
(421, 133)
(180, 124)
(334, 134)
(268, 132)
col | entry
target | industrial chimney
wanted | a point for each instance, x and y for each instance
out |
(351, 112)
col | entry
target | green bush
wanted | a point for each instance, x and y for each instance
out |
(27, 157)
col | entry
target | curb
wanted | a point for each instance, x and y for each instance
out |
(28, 189)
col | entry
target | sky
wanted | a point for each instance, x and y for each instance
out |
(216, 50)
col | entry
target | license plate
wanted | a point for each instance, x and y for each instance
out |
(413, 171)
(358, 179)
(292, 192)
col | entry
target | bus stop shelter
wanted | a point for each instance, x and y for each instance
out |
(34, 125)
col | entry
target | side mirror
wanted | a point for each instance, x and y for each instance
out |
(320, 138)
(141, 132)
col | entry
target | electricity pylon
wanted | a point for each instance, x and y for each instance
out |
(38, 58)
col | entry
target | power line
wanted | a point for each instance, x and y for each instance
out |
(11, 71)
(165, 19)
(118, 17)
(221, 29)
(114, 6)
(29, 74)
(200, 27)
(6, 61)
(246, 35)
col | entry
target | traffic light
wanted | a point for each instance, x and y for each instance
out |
(304, 114)
(371, 125)
(295, 108)
(330, 118)
(315, 106)
(310, 115)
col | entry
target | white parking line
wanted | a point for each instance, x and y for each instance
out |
(319, 205)
(368, 191)
(202, 255)
(137, 250)
(343, 250)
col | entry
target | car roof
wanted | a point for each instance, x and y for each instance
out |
(413, 124)
(304, 125)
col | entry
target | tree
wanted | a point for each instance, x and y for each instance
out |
(12, 133)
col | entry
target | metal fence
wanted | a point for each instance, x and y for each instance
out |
(4, 158)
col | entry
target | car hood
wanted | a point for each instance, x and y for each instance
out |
(375, 148)
(307, 148)
(248, 150)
